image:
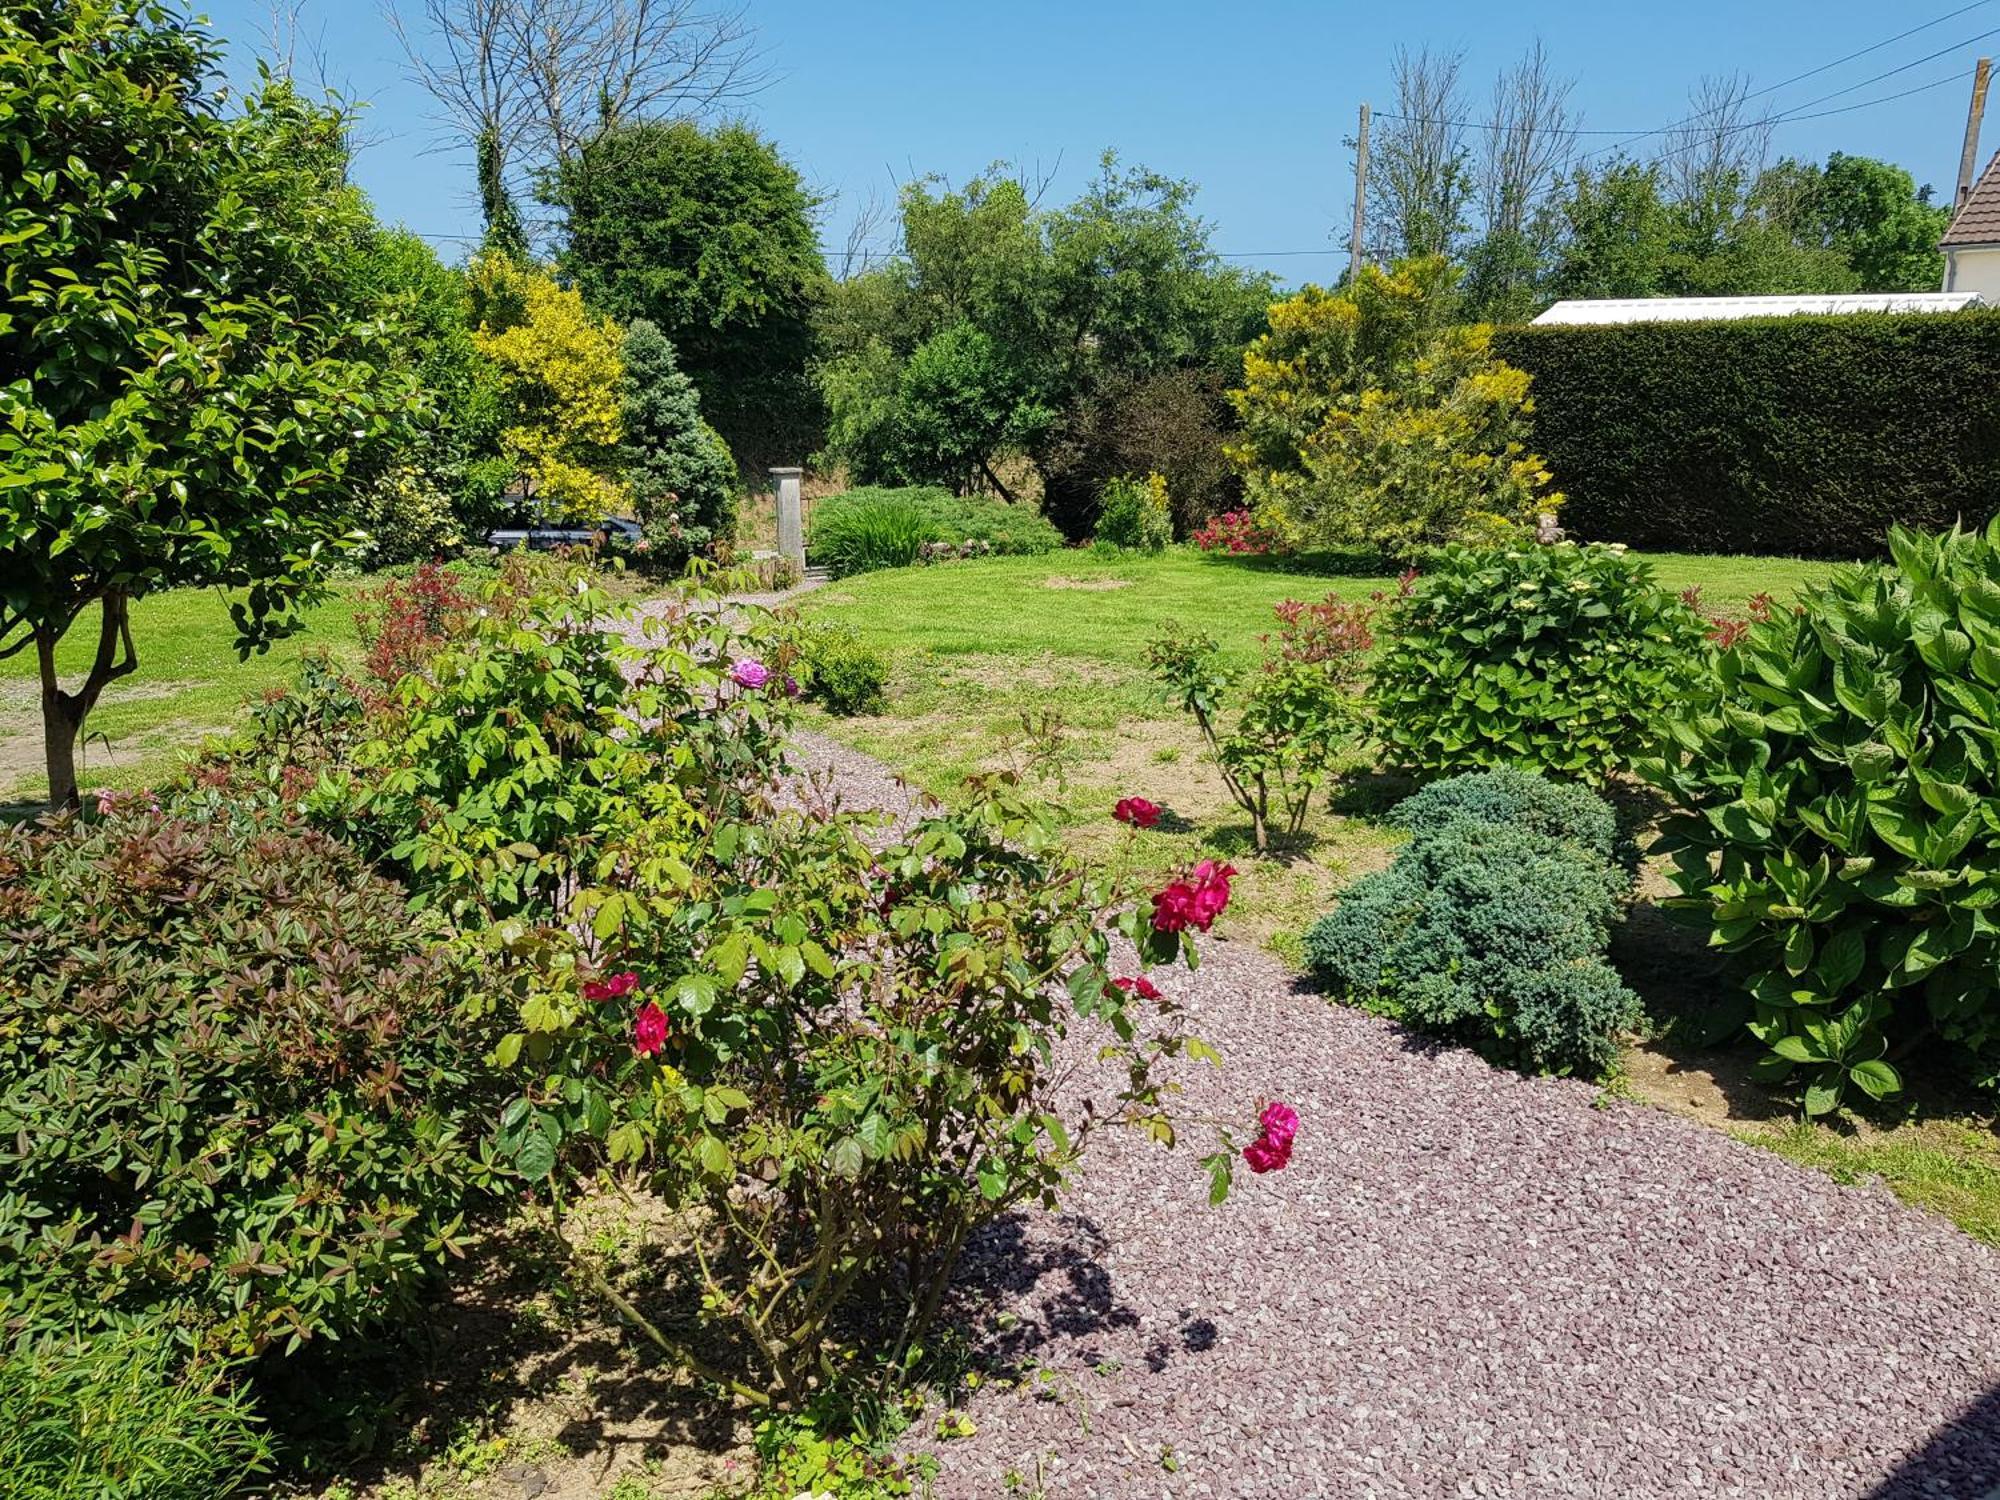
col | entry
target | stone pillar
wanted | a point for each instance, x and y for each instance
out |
(791, 515)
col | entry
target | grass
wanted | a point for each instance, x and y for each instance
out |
(190, 684)
(1035, 663)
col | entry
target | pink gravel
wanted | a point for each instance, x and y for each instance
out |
(1467, 1283)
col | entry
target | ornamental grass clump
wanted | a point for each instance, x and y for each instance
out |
(1558, 659)
(1491, 925)
(1839, 823)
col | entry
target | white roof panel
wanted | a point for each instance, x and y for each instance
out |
(1697, 309)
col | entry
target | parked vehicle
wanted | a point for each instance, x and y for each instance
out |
(539, 535)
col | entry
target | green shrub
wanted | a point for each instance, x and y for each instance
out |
(1556, 659)
(1798, 436)
(1559, 811)
(841, 670)
(239, 1082)
(121, 1417)
(861, 530)
(1488, 929)
(678, 468)
(1134, 514)
(1840, 829)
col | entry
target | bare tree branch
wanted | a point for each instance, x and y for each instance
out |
(1419, 172)
(543, 78)
(1529, 141)
(1722, 143)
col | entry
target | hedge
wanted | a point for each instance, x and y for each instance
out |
(1797, 436)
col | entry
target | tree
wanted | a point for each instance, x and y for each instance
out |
(528, 83)
(677, 467)
(710, 235)
(1375, 417)
(1004, 330)
(1420, 174)
(1887, 228)
(560, 378)
(196, 374)
(1527, 142)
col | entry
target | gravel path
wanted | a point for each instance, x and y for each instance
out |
(1466, 1283)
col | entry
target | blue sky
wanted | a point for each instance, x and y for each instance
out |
(1251, 100)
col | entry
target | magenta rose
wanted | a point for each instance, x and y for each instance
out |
(750, 673)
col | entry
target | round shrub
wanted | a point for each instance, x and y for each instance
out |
(1557, 810)
(841, 671)
(1135, 514)
(1491, 932)
(240, 1083)
(1840, 824)
(1557, 659)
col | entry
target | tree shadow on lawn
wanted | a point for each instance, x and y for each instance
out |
(1333, 564)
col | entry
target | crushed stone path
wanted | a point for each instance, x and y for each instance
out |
(1467, 1283)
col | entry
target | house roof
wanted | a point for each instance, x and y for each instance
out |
(1978, 222)
(1709, 309)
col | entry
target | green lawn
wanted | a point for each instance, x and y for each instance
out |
(189, 685)
(979, 646)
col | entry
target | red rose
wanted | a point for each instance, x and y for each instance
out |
(1143, 987)
(649, 1030)
(617, 987)
(1137, 811)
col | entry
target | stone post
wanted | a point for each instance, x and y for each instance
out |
(791, 515)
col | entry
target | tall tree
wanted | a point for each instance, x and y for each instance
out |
(528, 84)
(1421, 181)
(196, 375)
(710, 235)
(1528, 139)
(1004, 329)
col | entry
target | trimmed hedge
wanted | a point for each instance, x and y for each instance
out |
(1799, 436)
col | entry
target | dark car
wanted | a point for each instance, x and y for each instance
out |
(545, 535)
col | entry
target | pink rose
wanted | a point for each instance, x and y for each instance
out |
(1195, 902)
(649, 1030)
(750, 673)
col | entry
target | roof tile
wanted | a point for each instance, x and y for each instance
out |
(1978, 223)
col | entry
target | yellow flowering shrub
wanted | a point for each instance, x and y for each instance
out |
(1371, 418)
(562, 377)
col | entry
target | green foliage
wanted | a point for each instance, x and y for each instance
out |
(1005, 328)
(1839, 790)
(1623, 229)
(1134, 514)
(407, 519)
(708, 233)
(211, 375)
(1816, 433)
(841, 670)
(239, 1082)
(810, 1454)
(1296, 716)
(1373, 417)
(858, 531)
(121, 1416)
(677, 468)
(1557, 659)
(1491, 926)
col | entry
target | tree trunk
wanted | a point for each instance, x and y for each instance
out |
(63, 713)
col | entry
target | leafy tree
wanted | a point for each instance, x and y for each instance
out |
(1874, 214)
(1005, 330)
(710, 235)
(677, 467)
(1374, 417)
(561, 377)
(1615, 230)
(195, 367)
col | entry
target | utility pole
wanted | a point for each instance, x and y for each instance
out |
(1968, 161)
(1361, 196)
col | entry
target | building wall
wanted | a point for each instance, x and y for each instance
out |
(1974, 268)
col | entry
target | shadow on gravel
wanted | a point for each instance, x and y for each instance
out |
(1062, 1288)
(1960, 1462)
